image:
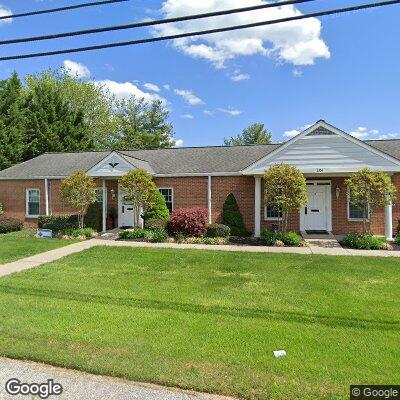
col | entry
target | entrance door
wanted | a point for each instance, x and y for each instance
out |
(126, 212)
(316, 211)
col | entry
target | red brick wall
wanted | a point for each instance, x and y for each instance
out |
(192, 192)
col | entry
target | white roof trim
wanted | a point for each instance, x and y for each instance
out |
(92, 170)
(253, 167)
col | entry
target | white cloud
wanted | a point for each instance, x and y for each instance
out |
(75, 69)
(189, 97)
(125, 90)
(208, 112)
(238, 76)
(295, 132)
(152, 87)
(178, 143)
(297, 73)
(297, 42)
(4, 11)
(187, 116)
(374, 131)
(167, 87)
(360, 133)
(232, 113)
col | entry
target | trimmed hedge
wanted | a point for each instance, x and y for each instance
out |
(158, 210)
(364, 241)
(232, 217)
(189, 221)
(155, 224)
(58, 223)
(153, 235)
(94, 217)
(10, 225)
(217, 230)
(270, 238)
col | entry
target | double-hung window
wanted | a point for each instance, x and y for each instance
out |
(272, 213)
(356, 212)
(32, 203)
(99, 195)
(168, 194)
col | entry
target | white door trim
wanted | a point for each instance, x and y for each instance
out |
(328, 206)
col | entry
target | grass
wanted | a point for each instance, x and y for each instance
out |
(209, 321)
(17, 245)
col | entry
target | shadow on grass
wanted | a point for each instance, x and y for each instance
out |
(288, 316)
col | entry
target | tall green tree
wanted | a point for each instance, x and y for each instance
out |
(52, 123)
(142, 125)
(90, 98)
(254, 134)
(12, 121)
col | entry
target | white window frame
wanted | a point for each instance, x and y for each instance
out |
(172, 194)
(27, 203)
(102, 193)
(266, 218)
(348, 211)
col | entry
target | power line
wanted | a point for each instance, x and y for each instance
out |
(205, 32)
(152, 23)
(66, 8)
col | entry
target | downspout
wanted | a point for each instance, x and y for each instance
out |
(46, 192)
(209, 197)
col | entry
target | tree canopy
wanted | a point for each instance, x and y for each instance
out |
(254, 134)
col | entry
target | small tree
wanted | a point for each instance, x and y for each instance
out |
(78, 191)
(232, 217)
(254, 134)
(159, 209)
(370, 189)
(285, 188)
(140, 188)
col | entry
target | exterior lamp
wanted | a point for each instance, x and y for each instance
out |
(337, 192)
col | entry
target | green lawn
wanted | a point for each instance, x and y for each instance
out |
(17, 245)
(209, 321)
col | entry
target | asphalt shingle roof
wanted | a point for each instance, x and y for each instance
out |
(190, 160)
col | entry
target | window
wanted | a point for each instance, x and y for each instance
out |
(272, 212)
(99, 195)
(32, 202)
(356, 212)
(169, 197)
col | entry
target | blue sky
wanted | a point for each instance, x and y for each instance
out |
(344, 69)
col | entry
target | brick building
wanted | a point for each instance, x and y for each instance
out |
(204, 176)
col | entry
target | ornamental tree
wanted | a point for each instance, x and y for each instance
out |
(159, 209)
(78, 191)
(369, 189)
(141, 190)
(285, 188)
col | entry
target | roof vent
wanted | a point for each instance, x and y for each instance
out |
(113, 164)
(321, 131)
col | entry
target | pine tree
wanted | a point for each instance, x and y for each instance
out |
(53, 125)
(12, 122)
(232, 217)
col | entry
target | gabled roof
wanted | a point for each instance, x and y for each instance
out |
(217, 160)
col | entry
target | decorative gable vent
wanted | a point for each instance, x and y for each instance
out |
(113, 165)
(321, 131)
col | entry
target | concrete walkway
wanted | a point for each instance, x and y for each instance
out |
(80, 385)
(316, 246)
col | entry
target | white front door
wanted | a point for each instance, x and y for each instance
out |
(317, 214)
(126, 211)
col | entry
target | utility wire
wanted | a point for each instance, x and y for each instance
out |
(205, 32)
(152, 23)
(66, 8)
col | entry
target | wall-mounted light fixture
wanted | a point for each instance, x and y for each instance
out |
(337, 192)
(112, 193)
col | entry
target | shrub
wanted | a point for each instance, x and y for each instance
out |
(232, 217)
(218, 230)
(158, 209)
(189, 221)
(364, 241)
(79, 232)
(58, 223)
(136, 233)
(270, 238)
(156, 235)
(206, 240)
(94, 217)
(1, 209)
(155, 224)
(10, 225)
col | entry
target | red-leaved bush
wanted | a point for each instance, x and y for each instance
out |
(189, 221)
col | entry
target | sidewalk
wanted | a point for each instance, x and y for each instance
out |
(81, 385)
